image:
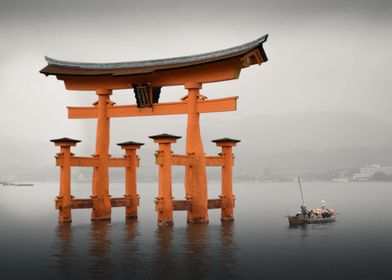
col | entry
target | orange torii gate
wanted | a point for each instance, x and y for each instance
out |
(147, 78)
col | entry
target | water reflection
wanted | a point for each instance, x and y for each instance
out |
(103, 250)
(228, 247)
(99, 250)
(197, 243)
(321, 229)
(165, 262)
(130, 257)
(254, 247)
(301, 229)
(63, 249)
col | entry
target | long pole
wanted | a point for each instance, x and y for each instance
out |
(300, 188)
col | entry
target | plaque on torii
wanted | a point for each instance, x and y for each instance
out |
(147, 78)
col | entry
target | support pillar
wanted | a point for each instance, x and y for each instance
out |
(101, 198)
(130, 177)
(164, 201)
(64, 199)
(227, 197)
(195, 173)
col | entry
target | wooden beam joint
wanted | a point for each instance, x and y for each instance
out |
(214, 161)
(181, 160)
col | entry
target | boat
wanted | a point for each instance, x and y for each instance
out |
(300, 219)
(312, 216)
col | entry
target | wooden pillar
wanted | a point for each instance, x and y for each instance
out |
(227, 196)
(130, 178)
(101, 198)
(195, 173)
(164, 201)
(64, 199)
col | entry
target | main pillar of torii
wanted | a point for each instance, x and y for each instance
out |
(147, 78)
(195, 173)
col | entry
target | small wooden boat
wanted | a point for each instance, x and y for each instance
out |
(297, 220)
(312, 216)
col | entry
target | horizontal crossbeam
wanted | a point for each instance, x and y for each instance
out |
(83, 203)
(180, 160)
(214, 161)
(94, 162)
(169, 108)
(183, 160)
(84, 161)
(118, 162)
(186, 205)
(179, 205)
(214, 203)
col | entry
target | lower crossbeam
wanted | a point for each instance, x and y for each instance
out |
(84, 203)
(186, 205)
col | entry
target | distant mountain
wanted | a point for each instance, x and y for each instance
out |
(24, 158)
(309, 140)
(277, 133)
(306, 140)
(341, 158)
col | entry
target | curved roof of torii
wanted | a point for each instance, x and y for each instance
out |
(59, 67)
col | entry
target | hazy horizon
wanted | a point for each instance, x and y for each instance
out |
(320, 109)
(305, 141)
(323, 55)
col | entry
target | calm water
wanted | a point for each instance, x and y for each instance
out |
(258, 245)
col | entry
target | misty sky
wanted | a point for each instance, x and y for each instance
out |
(323, 55)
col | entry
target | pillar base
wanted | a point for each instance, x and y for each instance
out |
(198, 221)
(227, 214)
(64, 220)
(100, 215)
(131, 214)
(102, 209)
(101, 218)
(131, 217)
(65, 214)
(165, 222)
(227, 219)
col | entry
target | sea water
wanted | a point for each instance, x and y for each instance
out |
(258, 245)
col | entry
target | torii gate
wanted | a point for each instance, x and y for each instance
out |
(147, 78)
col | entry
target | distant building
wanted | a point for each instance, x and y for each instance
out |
(368, 172)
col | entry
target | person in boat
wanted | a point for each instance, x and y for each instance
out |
(304, 212)
(323, 205)
(325, 212)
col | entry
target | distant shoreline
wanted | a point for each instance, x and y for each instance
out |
(16, 184)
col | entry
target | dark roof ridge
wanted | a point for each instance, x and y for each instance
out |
(226, 139)
(65, 139)
(128, 143)
(158, 62)
(164, 135)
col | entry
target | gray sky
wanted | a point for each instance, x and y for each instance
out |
(323, 55)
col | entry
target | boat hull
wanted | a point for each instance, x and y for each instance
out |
(297, 221)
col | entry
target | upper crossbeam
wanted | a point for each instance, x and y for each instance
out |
(169, 108)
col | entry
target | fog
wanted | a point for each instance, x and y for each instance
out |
(324, 56)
